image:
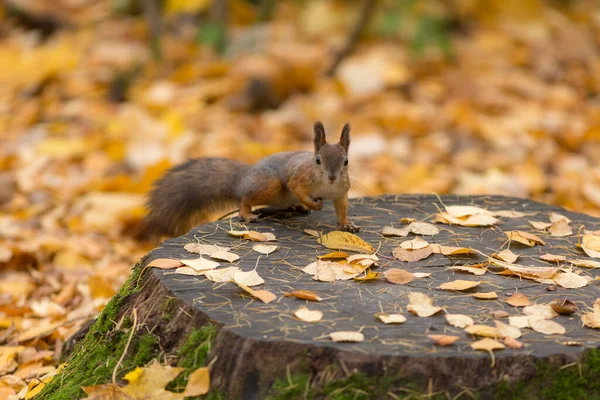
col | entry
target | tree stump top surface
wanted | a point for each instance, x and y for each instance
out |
(352, 305)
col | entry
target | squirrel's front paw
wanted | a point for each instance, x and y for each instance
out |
(301, 209)
(348, 227)
(248, 218)
(318, 204)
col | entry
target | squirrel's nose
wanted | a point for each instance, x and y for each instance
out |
(332, 178)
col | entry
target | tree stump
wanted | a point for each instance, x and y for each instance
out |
(259, 350)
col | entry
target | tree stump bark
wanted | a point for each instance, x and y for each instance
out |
(261, 350)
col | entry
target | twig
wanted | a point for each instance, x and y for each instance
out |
(366, 13)
(114, 374)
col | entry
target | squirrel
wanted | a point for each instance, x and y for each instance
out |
(287, 180)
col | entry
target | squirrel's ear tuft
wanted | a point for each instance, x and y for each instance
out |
(319, 138)
(345, 137)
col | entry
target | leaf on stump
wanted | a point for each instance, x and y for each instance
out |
(338, 240)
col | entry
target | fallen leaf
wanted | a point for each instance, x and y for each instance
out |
(450, 250)
(464, 211)
(414, 244)
(391, 318)
(423, 228)
(256, 236)
(422, 274)
(225, 256)
(346, 336)
(555, 217)
(200, 264)
(526, 238)
(540, 225)
(398, 276)
(304, 295)
(270, 237)
(459, 285)
(421, 305)
(264, 248)
(263, 295)
(506, 330)
(411, 255)
(506, 255)
(542, 311)
(334, 255)
(311, 232)
(389, 231)
(485, 295)
(552, 257)
(221, 274)
(482, 330)
(237, 233)
(188, 271)
(369, 276)
(487, 344)
(204, 249)
(150, 382)
(165, 263)
(586, 263)
(459, 320)
(500, 314)
(518, 300)
(198, 383)
(338, 240)
(248, 278)
(469, 269)
(512, 343)
(570, 280)
(560, 228)
(443, 340)
(519, 321)
(546, 327)
(361, 257)
(565, 307)
(307, 315)
(528, 272)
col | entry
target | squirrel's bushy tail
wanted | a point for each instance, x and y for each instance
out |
(193, 189)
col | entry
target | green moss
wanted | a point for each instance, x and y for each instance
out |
(169, 309)
(96, 355)
(192, 354)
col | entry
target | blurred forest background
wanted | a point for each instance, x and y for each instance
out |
(99, 97)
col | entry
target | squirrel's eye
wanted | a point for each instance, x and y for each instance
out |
(345, 161)
(318, 160)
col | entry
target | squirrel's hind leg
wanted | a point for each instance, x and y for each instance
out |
(259, 191)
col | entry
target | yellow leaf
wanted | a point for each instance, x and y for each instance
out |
(414, 244)
(338, 240)
(264, 248)
(346, 336)
(304, 295)
(482, 330)
(334, 255)
(464, 211)
(134, 375)
(526, 238)
(421, 305)
(552, 257)
(369, 276)
(391, 318)
(487, 344)
(152, 381)
(560, 228)
(198, 383)
(469, 268)
(389, 231)
(485, 296)
(459, 285)
(263, 295)
(505, 330)
(506, 255)
(443, 340)
(540, 225)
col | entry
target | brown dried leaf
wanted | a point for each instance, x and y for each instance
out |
(512, 343)
(552, 257)
(443, 340)
(526, 238)
(165, 263)
(485, 296)
(459, 285)
(338, 240)
(263, 295)
(500, 314)
(398, 276)
(411, 255)
(335, 255)
(519, 300)
(565, 307)
(256, 236)
(304, 295)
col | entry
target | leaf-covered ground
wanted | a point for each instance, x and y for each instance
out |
(468, 97)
